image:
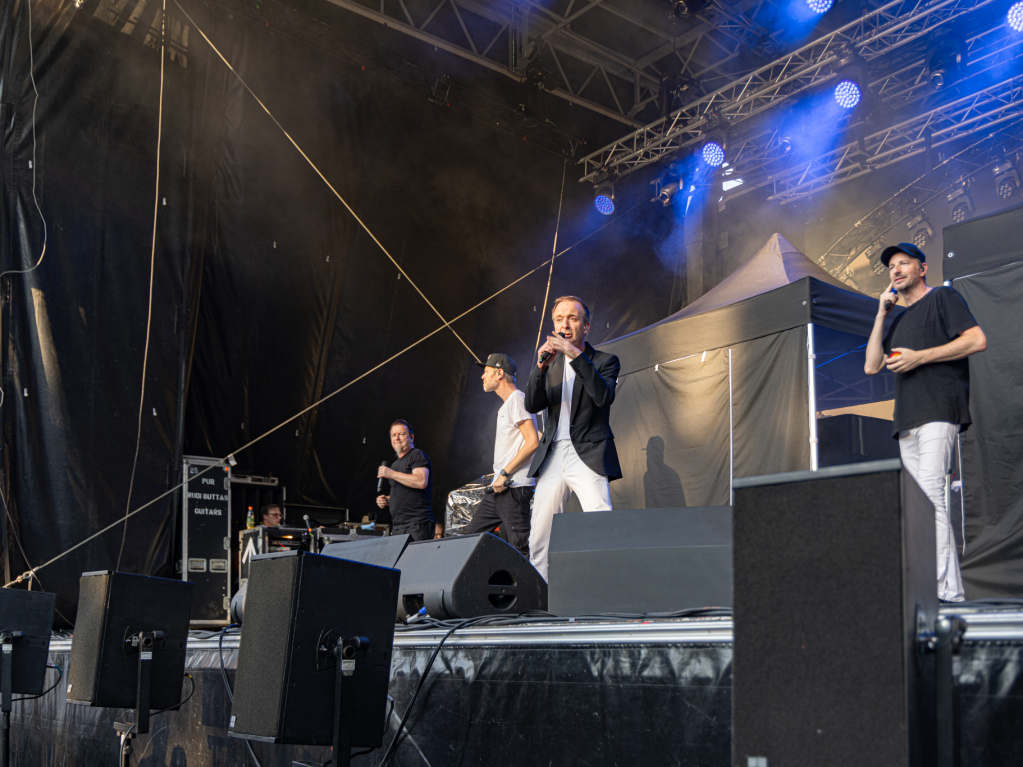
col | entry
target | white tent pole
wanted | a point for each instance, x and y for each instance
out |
(731, 435)
(811, 386)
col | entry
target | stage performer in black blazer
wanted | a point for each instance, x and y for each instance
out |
(576, 384)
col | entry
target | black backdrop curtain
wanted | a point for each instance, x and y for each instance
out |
(992, 448)
(267, 294)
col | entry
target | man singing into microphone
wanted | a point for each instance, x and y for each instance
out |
(514, 445)
(926, 347)
(411, 496)
(576, 384)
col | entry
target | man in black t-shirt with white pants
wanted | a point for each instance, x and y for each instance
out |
(926, 348)
(411, 496)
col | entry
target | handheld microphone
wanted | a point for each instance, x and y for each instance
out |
(380, 480)
(888, 303)
(308, 524)
(547, 355)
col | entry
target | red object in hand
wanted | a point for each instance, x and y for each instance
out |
(893, 355)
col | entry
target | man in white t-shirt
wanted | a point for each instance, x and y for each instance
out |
(508, 506)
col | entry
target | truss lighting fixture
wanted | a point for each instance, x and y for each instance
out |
(946, 64)
(960, 205)
(604, 198)
(1007, 180)
(819, 6)
(684, 9)
(920, 230)
(668, 192)
(1015, 16)
(713, 154)
(847, 94)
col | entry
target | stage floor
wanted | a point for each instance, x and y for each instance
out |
(619, 693)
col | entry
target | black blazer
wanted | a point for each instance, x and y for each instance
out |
(596, 376)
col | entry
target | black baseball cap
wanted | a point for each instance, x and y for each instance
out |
(903, 247)
(502, 361)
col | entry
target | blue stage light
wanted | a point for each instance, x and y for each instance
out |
(819, 6)
(847, 94)
(713, 154)
(1015, 16)
(604, 198)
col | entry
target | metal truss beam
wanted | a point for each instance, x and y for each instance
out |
(963, 117)
(898, 91)
(435, 87)
(869, 235)
(877, 33)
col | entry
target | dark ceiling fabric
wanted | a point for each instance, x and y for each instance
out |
(75, 327)
(992, 448)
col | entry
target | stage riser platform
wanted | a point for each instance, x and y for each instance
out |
(527, 702)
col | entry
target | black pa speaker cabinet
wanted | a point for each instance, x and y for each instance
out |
(834, 578)
(468, 576)
(641, 561)
(382, 552)
(30, 613)
(112, 607)
(297, 603)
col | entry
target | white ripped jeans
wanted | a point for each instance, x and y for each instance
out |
(926, 454)
(562, 471)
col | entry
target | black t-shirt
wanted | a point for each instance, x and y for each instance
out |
(410, 507)
(939, 391)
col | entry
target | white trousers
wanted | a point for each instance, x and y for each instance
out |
(926, 454)
(562, 471)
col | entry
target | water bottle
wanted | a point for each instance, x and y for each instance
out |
(250, 519)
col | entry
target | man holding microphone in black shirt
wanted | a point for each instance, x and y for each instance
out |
(411, 495)
(926, 348)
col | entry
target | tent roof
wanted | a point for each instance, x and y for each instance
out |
(776, 264)
(777, 290)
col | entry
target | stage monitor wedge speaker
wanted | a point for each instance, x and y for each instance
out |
(112, 607)
(384, 551)
(834, 579)
(641, 561)
(31, 614)
(468, 576)
(299, 602)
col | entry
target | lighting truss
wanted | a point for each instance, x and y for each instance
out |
(978, 112)
(899, 91)
(876, 227)
(875, 34)
(435, 87)
(714, 36)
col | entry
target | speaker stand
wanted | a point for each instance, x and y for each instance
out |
(7, 687)
(346, 652)
(949, 631)
(141, 643)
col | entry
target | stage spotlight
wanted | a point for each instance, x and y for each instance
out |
(785, 144)
(684, 9)
(946, 64)
(819, 6)
(713, 154)
(1007, 179)
(847, 94)
(960, 205)
(921, 231)
(1015, 16)
(604, 198)
(668, 192)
